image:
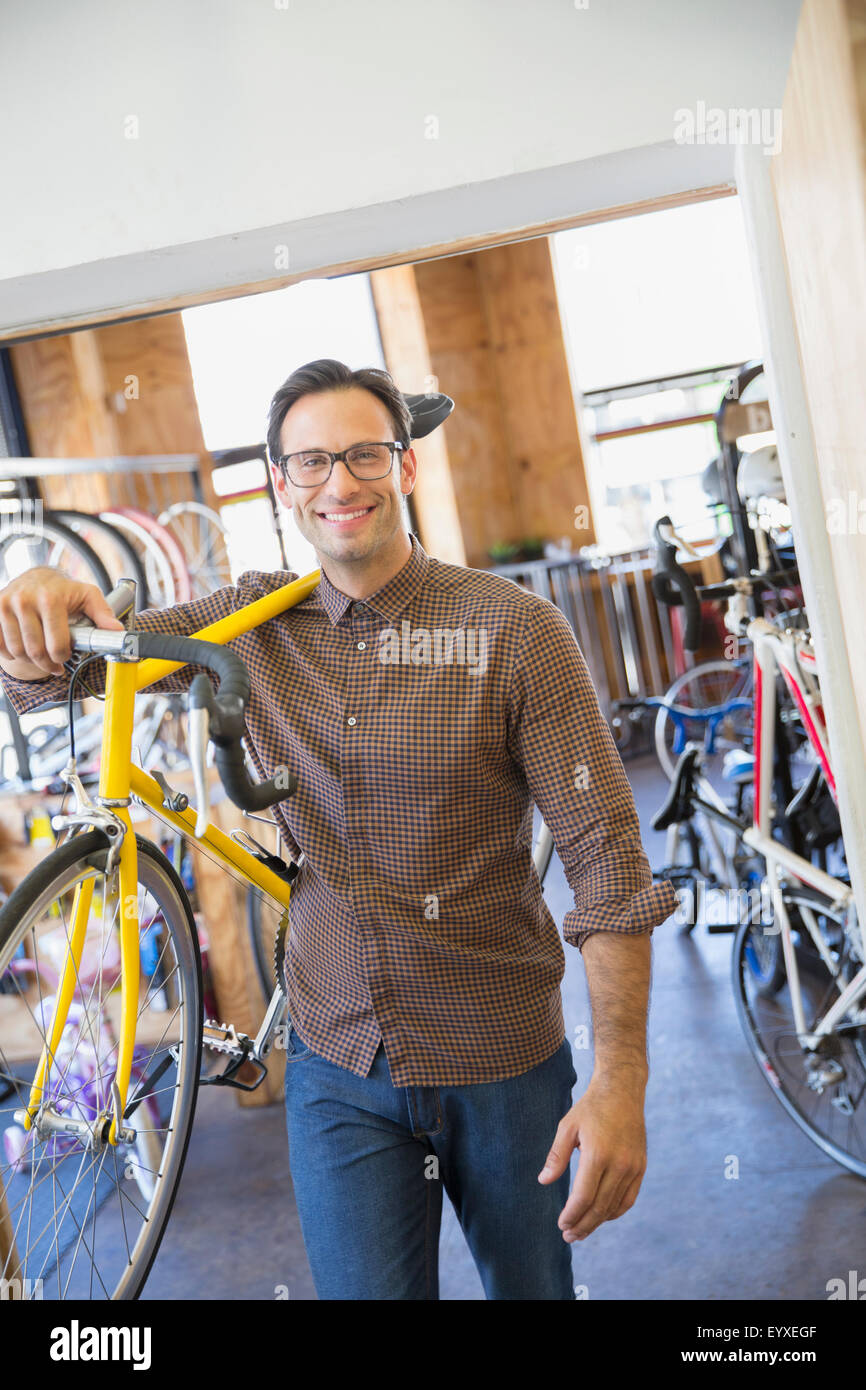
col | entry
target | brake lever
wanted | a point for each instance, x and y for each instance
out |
(198, 734)
(670, 537)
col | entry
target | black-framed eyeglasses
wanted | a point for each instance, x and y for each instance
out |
(312, 467)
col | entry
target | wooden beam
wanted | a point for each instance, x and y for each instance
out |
(403, 256)
(631, 430)
(404, 342)
(452, 306)
(535, 392)
(492, 333)
(123, 389)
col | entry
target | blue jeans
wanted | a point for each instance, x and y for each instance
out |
(369, 1161)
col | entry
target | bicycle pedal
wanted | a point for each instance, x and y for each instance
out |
(222, 1037)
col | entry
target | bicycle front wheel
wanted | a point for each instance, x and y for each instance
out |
(80, 1217)
(824, 1092)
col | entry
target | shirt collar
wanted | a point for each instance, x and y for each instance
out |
(391, 599)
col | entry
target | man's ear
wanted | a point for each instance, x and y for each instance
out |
(279, 483)
(407, 484)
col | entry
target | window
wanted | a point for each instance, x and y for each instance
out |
(240, 351)
(654, 308)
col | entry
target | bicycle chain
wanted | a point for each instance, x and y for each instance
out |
(280, 950)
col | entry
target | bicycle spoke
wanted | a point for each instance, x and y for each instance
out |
(822, 1087)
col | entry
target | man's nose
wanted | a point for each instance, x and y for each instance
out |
(341, 480)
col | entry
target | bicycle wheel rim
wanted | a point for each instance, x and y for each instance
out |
(113, 1211)
(770, 1033)
(664, 725)
(159, 577)
(202, 536)
(58, 540)
(167, 543)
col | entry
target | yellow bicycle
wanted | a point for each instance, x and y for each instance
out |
(101, 1027)
(100, 1040)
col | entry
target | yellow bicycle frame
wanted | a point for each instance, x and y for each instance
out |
(119, 779)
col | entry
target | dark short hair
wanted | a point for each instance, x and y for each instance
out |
(327, 374)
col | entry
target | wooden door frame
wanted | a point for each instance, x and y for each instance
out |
(460, 246)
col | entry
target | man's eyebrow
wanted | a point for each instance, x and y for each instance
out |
(321, 448)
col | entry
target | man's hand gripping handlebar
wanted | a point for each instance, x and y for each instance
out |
(213, 717)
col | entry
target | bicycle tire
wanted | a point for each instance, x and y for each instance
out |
(58, 534)
(134, 569)
(760, 1017)
(80, 857)
(168, 543)
(159, 575)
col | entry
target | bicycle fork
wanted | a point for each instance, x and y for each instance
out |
(111, 814)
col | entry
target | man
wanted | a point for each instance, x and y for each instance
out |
(424, 707)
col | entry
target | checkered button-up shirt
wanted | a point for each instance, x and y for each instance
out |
(422, 723)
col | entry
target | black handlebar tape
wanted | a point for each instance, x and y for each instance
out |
(226, 708)
(672, 585)
(675, 590)
(169, 646)
(239, 786)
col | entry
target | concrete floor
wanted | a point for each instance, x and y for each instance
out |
(790, 1222)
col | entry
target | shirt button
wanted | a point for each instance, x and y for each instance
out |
(351, 721)
(362, 646)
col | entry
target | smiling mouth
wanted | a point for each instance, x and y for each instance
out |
(340, 519)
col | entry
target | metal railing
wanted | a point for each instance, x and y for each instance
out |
(625, 636)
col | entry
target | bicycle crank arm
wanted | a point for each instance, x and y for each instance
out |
(275, 1015)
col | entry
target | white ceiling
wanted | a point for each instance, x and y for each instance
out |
(299, 124)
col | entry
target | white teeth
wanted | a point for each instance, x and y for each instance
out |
(345, 516)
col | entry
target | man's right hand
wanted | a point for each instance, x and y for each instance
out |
(35, 613)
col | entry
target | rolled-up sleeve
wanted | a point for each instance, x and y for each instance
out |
(27, 695)
(560, 738)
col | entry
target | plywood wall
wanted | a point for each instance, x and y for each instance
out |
(118, 390)
(63, 401)
(493, 339)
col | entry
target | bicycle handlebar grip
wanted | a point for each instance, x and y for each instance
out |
(240, 788)
(672, 585)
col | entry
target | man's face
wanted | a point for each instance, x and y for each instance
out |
(335, 420)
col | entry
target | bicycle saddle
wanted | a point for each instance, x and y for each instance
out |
(428, 409)
(676, 807)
